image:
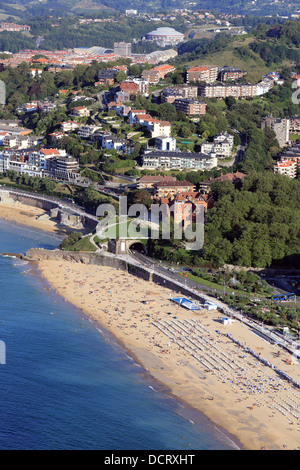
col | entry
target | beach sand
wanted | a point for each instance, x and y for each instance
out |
(197, 362)
(30, 216)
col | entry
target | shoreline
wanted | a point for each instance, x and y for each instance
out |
(33, 217)
(176, 372)
(188, 412)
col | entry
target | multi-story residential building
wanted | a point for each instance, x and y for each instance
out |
(221, 146)
(287, 167)
(157, 73)
(29, 161)
(179, 160)
(143, 84)
(190, 107)
(281, 127)
(110, 142)
(87, 131)
(164, 69)
(122, 49)
(295, 125)
(133, 113)
(224, 90)
(152, 76)
(149, 182)
(207, 74)
(292, 154)
(231, 74)
(106, 77)
(168, 188)
(55, 136)
(167, 144)
(69, 126)
(80, 111)
(65, 168)
(131, 88)
(205, 186)
(158, 128)
(14, 27)
(21, 141)
(172, 93)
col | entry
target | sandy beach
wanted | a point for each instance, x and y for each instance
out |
(190, 352)
(30, 216)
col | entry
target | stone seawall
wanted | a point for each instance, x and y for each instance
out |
(46, 205)
(39, 254)
(65, 216)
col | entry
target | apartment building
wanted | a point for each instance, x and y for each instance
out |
(69, 126)
(80, 111)
(292, 154)
(169, 188)
(21, 141)
(205, 185)
(172, 93)
(149, 182)
(106, 77)
(157, 73)
(122, 49)
(190, 107)
(281, 127)
(14, 27)
(167, 144)
(29, 161)
(207, 74)
(110, 142)
(287, 167)
(232, 74)
(295, 125)
(224, 90)
(87, 131)
(152, 76)
(158, 128)
(179, 160)
(133, 113)
(65, 168)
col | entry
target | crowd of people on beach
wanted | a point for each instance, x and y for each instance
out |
(145, 316)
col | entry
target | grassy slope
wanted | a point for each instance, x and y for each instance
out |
(256, 68)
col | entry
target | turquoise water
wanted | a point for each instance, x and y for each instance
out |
(68, 385)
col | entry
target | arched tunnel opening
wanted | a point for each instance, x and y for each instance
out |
(138, 247)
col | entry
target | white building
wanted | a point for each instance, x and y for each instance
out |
(179, 160)
(69, 126)
(287, 168)
(167, 144)
(158, 128)
(222, 145)
(165, 36)
(87, 131)
(110, 142)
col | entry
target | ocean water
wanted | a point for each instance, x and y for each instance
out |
(68, 385)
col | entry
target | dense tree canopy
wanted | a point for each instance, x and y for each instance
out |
(256, 224)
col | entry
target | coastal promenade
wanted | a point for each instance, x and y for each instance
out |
(191, 288)
(47, 203)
